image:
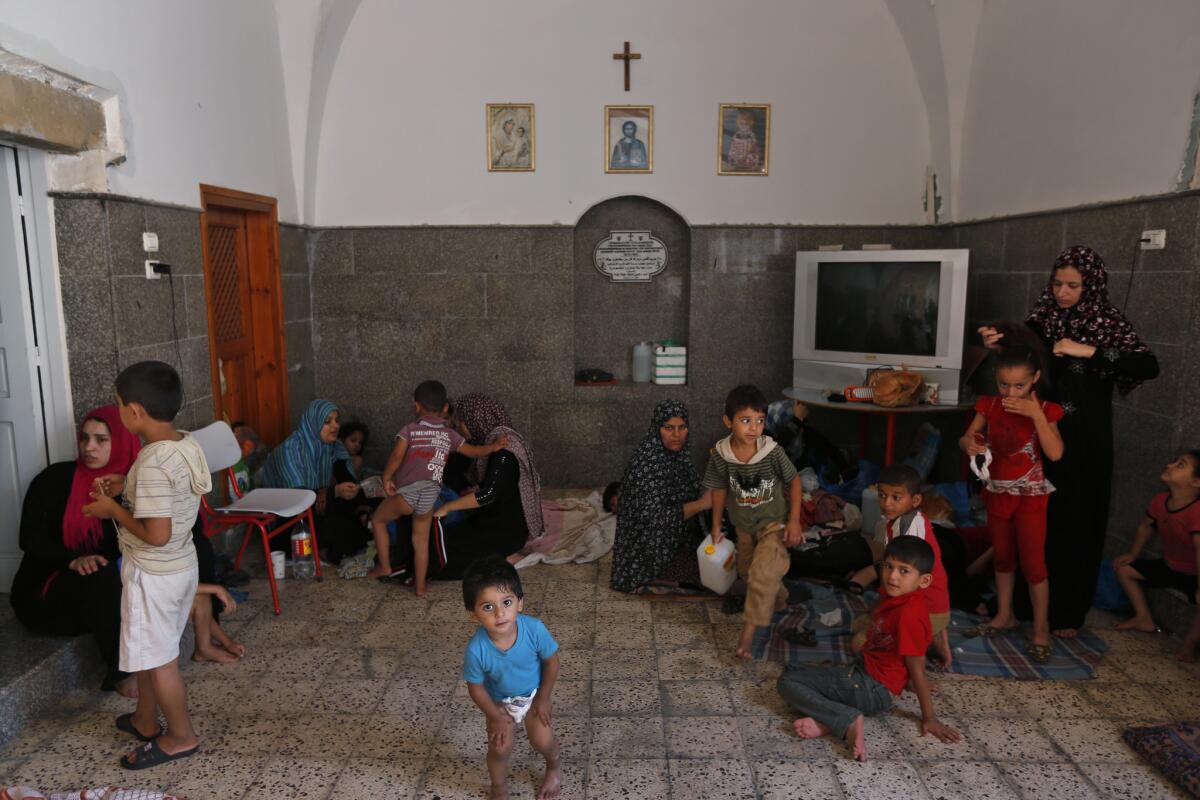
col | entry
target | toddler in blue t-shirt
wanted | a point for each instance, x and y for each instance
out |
(510, 667)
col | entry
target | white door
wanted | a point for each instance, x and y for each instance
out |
(23, 442)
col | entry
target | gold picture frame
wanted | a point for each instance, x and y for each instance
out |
(511, 137)
(743, 139)
(629, 152)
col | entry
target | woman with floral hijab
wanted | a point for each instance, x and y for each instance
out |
(1094, 348)
(660, 493)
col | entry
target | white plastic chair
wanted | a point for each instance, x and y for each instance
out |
(257, 509)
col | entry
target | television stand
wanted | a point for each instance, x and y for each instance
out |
(816, 399)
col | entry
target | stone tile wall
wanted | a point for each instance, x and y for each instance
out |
(114, 315)
(1010, 265)
(297, 316)
(499, 309)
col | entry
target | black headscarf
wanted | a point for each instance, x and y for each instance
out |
(650, 524)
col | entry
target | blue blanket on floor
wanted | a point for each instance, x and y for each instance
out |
(998, 657)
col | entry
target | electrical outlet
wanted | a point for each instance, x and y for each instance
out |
(1154, 240)
(150, 273)
(150, 242)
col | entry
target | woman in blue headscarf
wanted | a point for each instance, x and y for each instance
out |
(305, 460)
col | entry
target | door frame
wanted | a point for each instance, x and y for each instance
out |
(256, 241)
(57, 404)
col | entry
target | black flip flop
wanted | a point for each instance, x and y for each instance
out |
(125, 724)
(850, 587)
(801, 636)
(155, 755)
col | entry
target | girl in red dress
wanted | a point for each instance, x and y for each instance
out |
(1012, 432)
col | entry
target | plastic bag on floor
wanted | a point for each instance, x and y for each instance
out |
(107, 793)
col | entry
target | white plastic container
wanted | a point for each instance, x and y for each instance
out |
(643, 362)
(718, 564)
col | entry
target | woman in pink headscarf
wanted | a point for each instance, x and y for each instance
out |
(68, 581)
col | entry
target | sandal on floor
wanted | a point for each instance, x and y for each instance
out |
(733, 604)
(986, 631)
(151, 755)
(801, 636)
(850, 587)
(1039, 653)
(125, 724)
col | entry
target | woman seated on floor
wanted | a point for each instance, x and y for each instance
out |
(502, 494)
(306, 460)
(657, 535)
(68, 582)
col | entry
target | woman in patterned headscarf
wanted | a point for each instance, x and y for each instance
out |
(507, 494)
(660, 493)
(1094, 349)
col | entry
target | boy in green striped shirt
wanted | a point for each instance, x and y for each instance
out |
(753, 478)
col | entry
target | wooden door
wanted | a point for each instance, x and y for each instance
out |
(245, 311)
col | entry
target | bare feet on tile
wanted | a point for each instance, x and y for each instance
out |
(809, 728)
(552, 785)
(854, 738)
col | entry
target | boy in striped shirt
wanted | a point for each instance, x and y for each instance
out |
(159, 570)
(754, 480)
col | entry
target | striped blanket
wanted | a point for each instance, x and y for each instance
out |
(999, 657)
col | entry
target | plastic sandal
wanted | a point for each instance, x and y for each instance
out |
(733, 604)
(1039, 653)
(151, 755)
(801, 636)
(985, 631)
(125, 724)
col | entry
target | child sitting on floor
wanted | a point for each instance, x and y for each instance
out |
(510, 667)
(899, 501)
(353, 436)
(751, 471)
(1019, 429)
(212, 599)
(1175, 513)
(833, 699)
(412, 477)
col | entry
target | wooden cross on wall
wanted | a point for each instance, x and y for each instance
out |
(626, 57)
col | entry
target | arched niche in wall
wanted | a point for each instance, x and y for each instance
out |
(612, 316)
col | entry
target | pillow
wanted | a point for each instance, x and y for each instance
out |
(1173, 749)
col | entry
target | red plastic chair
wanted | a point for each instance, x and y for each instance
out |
(259, 509)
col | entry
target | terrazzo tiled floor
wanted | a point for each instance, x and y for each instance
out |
(355, 693)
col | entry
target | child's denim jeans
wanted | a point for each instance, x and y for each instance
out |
(833, 696)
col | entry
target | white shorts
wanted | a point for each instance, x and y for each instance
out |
(154, 612)
(517, 707)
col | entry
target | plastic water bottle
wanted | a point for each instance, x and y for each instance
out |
(303, 566)
(718, 564)
(643, 362)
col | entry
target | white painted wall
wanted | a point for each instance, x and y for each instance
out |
(1077, 101)
(403, 139)
(200, 84)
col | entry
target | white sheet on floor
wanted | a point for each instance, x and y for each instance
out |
(578, 531)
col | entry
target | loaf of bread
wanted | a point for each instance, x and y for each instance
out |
(896, 388)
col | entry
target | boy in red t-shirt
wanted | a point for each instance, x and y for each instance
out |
(1019, 430)
(834, 699)
(1176, 515)
(899, 501)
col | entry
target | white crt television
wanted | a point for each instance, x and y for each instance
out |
(861, 309)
